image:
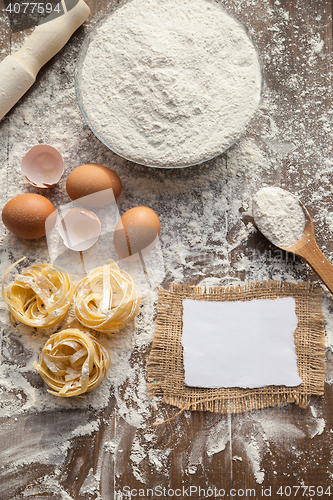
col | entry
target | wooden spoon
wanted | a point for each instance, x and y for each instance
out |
(307, 248)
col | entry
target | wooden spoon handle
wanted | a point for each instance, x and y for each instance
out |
(317, 260)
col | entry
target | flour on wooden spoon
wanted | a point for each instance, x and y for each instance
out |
(279, 216)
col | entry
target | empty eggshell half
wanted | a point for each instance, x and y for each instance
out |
(79, 229)
(43, 166)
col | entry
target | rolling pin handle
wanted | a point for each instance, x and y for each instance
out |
(18, 71)
(49, 38)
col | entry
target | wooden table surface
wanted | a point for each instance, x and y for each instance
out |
(276, 452)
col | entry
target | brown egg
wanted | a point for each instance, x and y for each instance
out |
(85, 183)
(136, 232)
(26, 214)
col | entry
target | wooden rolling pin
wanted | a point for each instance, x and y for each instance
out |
(18, 71)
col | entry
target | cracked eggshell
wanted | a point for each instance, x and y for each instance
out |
(43, 166)
(79, 229)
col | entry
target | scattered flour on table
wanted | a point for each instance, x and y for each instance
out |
(319, 421)
(278, 215)
(168, 93)
(254, 455)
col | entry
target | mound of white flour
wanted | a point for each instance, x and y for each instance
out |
(170, 82)
(278, 215)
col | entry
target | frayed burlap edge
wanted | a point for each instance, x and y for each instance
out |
(165, 364)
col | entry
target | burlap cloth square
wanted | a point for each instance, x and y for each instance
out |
(165, 364)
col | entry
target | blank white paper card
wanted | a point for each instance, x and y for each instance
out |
(240, 344)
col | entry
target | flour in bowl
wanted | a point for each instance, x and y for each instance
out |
(169, 83)
(278, 215)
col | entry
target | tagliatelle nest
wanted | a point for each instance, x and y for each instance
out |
(73, 362)
(39, 296)
(106, 300)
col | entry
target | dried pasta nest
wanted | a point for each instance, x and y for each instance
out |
(73, 362)
(106, 300)
(39, 296)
